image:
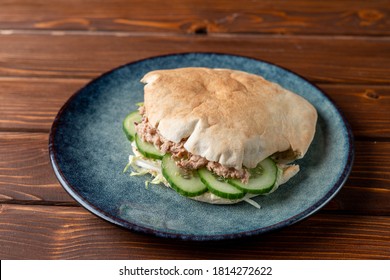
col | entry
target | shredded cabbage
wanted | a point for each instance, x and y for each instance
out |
(141, 166)
(251, 202)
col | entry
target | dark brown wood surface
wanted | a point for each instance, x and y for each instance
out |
(73, 233)
(198, 16)
(50, 49)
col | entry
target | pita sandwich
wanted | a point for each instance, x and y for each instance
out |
(226, 121)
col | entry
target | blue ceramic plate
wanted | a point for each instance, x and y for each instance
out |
(88, 151)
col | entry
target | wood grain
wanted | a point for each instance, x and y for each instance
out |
(368, 186)
(321, 59)
(366, 108)
(246, 16)
(72, 233)
(26, 176)
(30, 104)
(49, 49)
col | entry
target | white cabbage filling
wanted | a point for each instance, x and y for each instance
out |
(141, 166)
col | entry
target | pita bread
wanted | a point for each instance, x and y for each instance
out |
(228, 116)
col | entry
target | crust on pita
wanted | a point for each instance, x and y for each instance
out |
(229, 116)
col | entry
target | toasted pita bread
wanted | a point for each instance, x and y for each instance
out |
(228, 116)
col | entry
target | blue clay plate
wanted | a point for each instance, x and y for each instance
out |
(88, 151)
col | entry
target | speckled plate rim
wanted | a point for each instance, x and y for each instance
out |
(72, 191)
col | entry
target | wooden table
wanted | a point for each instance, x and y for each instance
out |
(49, 49)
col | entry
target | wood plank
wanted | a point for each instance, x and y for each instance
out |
(26, 176)
(366, 108)
(30, 104)
(369, 182)
(266, 16)
(45, 232)
(321, 59)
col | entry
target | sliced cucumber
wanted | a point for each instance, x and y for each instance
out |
(147, 149)
(128, 124)
(184, 182)
(262, 178)
(219, 187)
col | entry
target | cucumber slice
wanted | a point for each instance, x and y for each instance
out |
(128, 124)
(262, 179)
(184, 182)
(147, 149)
(219, 187)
